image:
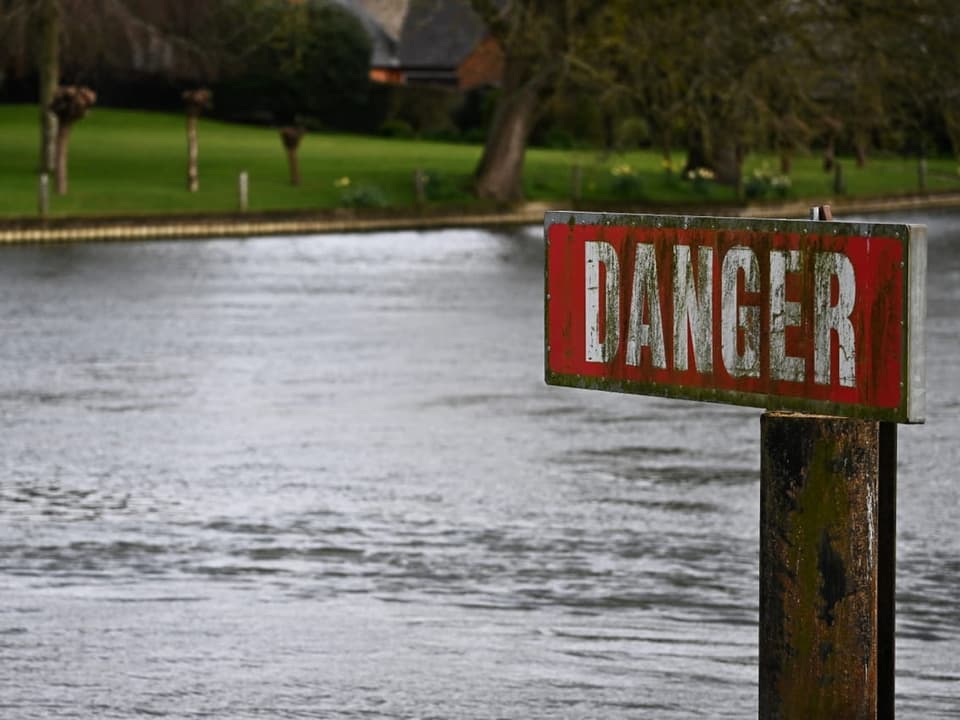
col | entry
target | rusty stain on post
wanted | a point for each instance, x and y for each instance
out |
(818, 567)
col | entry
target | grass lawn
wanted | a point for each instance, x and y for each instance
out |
(124, 162)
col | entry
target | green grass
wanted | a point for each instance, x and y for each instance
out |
(124, 162)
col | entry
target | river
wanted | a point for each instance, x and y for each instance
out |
(323, 477)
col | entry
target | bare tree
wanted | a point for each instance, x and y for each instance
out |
(291, 137)
(70, 103)
(183, 40)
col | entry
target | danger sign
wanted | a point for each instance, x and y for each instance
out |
(816, 316)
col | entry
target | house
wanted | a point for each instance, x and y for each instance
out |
(429, 42)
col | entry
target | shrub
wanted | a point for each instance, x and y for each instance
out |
(439, 186)
(762, 183)
(633, 132)
(701, 178)
(624, 182)
(396, 128)
(360, 196)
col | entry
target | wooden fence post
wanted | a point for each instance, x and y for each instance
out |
(576, 182)
(43, 195)
(420, 186)
(243, 190)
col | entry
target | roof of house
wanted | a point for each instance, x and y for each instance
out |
(439, 33)
(389, 14)
(383, 41)
(426, 34)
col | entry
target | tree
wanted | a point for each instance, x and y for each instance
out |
(70, 103)
(721, 79)
(48, 71)
(181, 38)
(291, 136)
(311, 64)
(540, 40)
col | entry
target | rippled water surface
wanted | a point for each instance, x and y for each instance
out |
(322, 477)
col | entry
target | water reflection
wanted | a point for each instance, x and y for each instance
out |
(323, 477)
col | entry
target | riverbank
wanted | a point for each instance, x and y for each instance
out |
(127, 177)
(169, 227)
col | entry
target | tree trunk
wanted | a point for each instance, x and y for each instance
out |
(63, 150)
(829, 155)
(951, 120)
(294, 163)
(499, 175)
(786, 162)
(726, 160)
(665, 150)
(290, 136)
(860, 144)
(193, 174)
(696, 152)
(48, 70)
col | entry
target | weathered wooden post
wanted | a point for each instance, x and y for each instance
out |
(243, 190)
(420, 186)
(819, 565)
(194, 103)
(576, 182)
(820, 318)
(43, 195)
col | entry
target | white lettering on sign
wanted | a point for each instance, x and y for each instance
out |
(646, 294)
(693, 308)
(602, 350)
(829, 318)
(738, 320)
(783, 314)
(834, 286)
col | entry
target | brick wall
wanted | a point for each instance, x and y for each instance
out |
(484, 66)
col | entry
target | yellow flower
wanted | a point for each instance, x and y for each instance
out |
(342, 182)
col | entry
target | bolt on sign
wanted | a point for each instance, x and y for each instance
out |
(824, 317)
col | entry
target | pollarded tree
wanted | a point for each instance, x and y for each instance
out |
(290, 136)
(182, 40)
(70, 103)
